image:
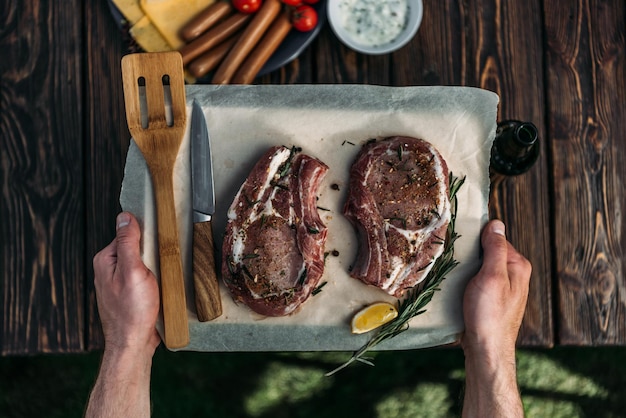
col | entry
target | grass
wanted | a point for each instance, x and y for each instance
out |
(562, 382)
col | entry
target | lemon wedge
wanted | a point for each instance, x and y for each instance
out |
(373, 316)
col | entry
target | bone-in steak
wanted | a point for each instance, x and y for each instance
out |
(273, 251)
(399, 205)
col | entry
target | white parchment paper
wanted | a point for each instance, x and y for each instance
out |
(329, 122)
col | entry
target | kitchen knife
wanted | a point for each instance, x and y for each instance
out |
(208, 303)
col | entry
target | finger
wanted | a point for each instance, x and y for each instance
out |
(519, 268)
(495, 249)
(128, 238)
(104, 261)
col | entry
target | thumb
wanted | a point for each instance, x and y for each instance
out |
(495, 248)
(128, 237)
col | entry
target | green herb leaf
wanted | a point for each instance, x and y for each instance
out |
(318, 289)
(246, 272)
(302, 277)
(249, 201)
(284, 169)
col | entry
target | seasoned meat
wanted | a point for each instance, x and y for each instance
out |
(273, 251)
(399, 205)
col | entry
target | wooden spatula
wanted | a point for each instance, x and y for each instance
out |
(152, 82)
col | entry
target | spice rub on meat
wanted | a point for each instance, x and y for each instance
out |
(273, 251)
(398, 202)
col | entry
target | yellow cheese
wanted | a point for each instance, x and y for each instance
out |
(169, 16)
(148, 37)
(130, 9)
(151, 40)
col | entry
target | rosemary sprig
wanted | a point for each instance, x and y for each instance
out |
(417, 299)
(318, 289)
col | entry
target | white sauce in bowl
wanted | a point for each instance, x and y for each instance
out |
(374, 22)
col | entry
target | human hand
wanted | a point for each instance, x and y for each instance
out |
(495, 299)
(128, 303)
(493, 308)
(127, 292)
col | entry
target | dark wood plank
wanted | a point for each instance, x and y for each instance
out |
(298, 71)
(42, 229)
(337, 64)
(513, 68)
(479, 44)
(106, 144)
(586, 85)
(438, 54)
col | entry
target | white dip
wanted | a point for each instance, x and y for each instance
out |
(374, 22)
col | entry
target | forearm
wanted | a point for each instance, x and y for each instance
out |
(122, 388)
(491, 386)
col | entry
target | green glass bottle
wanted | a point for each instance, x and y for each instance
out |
(515, 148)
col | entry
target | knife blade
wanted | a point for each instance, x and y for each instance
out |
(208, 302)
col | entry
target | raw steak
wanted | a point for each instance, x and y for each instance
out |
(273, 251)
(399, 205)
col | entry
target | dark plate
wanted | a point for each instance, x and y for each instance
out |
(289, 50)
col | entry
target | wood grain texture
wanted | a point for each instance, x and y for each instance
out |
(337, 64)
(206, 286)
(159, 144)
(438, 54)
(63, 140)
(41, 208)
(298, 71)
(586, 69)
(522, 202)
(106, 141)
(478, 43)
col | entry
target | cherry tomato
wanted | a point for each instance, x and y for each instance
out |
(247, 6)
(310, 1)
(292, 2)
(304, 18)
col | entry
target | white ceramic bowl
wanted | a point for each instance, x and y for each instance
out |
(414, 20)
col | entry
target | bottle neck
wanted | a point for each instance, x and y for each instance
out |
(525, 134)
(516, 147)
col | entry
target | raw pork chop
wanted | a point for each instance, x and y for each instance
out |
(273, 252)
(399, 205)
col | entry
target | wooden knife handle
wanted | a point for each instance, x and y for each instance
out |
(208, 302)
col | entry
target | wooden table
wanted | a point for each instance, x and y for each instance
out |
(559, 64)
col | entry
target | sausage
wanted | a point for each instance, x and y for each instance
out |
(210, 59)
(213, 37)
(250, 37)
(206, 19)
(275, 35)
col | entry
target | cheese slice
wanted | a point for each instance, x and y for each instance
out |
(130, 9)
(148, 37)
(169, 16)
